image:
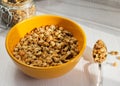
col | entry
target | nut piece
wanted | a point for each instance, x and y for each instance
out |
(46, 46)
(99, 51)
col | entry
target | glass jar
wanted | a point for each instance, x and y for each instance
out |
(5, 13)
(18, 10)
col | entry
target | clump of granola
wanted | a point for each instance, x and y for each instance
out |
(99, 51)
(46, 46)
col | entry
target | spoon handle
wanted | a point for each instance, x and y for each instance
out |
(100, 78)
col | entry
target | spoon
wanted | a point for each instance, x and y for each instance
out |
(99, 56)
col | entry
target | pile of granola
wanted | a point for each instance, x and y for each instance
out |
(46, 46)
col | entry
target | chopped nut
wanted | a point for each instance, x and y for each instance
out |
(56, 60)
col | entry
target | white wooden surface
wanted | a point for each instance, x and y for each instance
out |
(106, 12)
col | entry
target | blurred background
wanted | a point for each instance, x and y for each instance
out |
(89, 12)
(105, 13)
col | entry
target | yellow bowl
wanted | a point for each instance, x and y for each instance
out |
(19, 30)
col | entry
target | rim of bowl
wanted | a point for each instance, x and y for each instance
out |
(34, 67)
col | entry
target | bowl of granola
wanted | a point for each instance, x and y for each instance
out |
(46, 46)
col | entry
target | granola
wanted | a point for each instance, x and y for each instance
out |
(46, 46)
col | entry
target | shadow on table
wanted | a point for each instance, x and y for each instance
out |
(73, 78)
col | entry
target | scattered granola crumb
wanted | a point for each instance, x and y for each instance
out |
(118, 57)
(113, 52)
(115, 64)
